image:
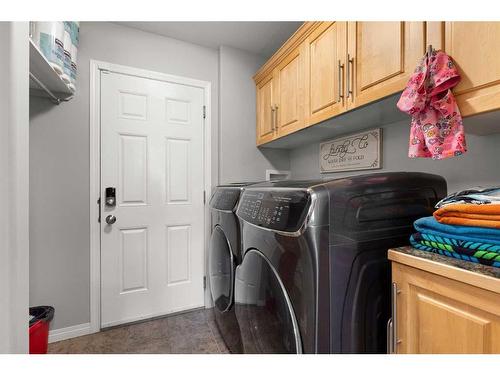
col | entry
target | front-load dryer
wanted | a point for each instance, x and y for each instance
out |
(315, 277)
(224, 255)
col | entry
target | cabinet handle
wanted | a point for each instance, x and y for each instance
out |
(341, 81)
(276, 117)
(390, 347)
(350, 75)
(394, 319)
(272, 118)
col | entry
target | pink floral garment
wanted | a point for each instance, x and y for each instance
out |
(436, 126)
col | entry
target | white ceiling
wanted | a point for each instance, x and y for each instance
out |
(262, 38)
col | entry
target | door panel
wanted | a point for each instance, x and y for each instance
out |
(289, 79)
(134, 255)
(380, 52)
(434, 34)
(474, 48)
(325, 56)
(133, 167)
(178, 250)
(437, 315)
(177, 176)
(383, 54)
(265, 111)
(151, 152)
(466, 332)
(288, 92)
(133, 105)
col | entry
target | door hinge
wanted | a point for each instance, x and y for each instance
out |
(99, 203)
(204, 282)
(204, 112)
(204, 197)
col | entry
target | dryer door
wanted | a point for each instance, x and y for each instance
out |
(263, 309)
(221, 270)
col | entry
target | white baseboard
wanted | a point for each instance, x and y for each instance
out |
(142, 318)
(86, 328)
(69, 332)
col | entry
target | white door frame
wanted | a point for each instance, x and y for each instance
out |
(14, 188)
(95, 169)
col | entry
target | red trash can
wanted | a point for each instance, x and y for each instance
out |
(40, 318)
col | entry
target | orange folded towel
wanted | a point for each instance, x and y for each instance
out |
(473, 215)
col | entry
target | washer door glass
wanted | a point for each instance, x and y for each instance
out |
(221, 270)
(263, 309)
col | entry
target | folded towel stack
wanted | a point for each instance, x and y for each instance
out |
(465, 226)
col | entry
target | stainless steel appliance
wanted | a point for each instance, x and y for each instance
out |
(224, 255)
(314, 277)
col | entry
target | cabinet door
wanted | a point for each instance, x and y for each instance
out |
(289, 80)
(474, 46)
(325, 58)
(382, 55)
(437, 315)
(265, 111)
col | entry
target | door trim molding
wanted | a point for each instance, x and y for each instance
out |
(14, 188)
(95, 169)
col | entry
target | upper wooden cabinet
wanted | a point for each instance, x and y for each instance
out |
(327, 68)
(325, 61)
(289, 102)
(381, 57)
(281, 88)
(265, 111)
(475, 48)
(280, 99)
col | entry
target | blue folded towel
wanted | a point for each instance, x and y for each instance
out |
(430, 225)
(453, 254)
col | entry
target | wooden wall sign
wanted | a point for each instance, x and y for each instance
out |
(351, 153)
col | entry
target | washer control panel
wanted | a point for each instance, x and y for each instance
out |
(283, 210)
(225, 198)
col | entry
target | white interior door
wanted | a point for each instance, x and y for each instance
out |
(152, 257)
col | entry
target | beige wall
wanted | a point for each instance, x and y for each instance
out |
(239, 159)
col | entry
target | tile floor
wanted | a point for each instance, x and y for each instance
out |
(193, 332)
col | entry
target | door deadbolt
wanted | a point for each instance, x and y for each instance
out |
(110, 197)
(110, 219)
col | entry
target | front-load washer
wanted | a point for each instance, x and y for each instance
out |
(315, 276)
(224, 255)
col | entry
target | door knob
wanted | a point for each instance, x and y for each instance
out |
(111, 219)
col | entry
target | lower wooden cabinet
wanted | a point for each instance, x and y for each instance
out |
(437, 314)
